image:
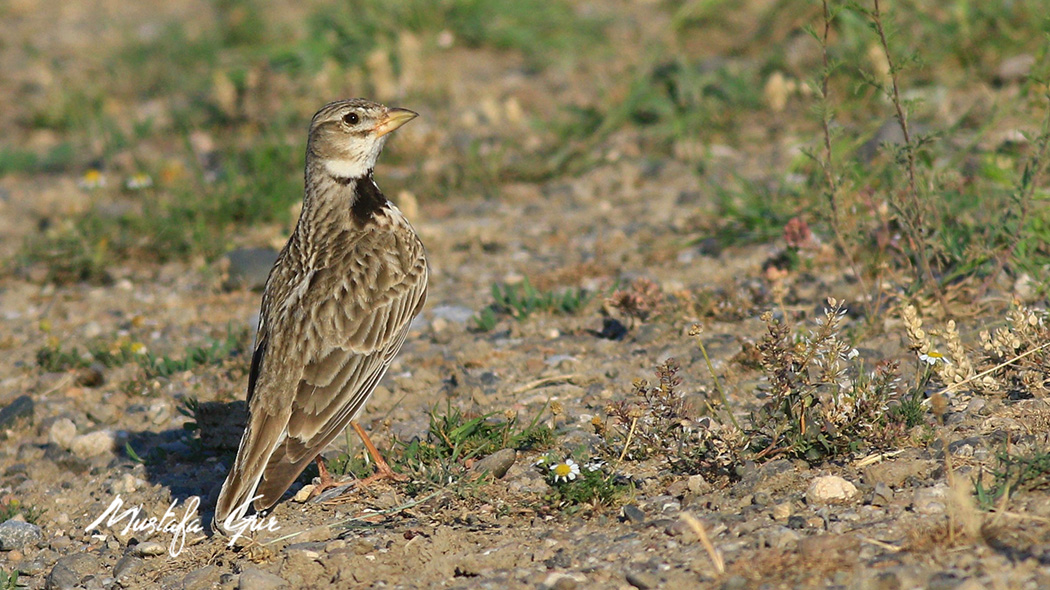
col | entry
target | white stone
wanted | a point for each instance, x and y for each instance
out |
(92, 444)
(830, 489)
(62, 432)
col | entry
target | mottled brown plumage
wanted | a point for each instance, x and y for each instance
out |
(335, 311)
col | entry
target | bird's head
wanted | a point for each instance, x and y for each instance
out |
(346, 136)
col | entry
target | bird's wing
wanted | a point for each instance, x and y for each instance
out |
(356, 314)
(333, 335)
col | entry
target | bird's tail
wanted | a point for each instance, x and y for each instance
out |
(261, 436)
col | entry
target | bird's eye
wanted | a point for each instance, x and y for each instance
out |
(351, 119)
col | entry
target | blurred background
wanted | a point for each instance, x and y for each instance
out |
(148, 132)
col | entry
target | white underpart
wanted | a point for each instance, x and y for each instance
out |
(347, 168)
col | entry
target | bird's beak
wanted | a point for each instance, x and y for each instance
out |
(394, 118)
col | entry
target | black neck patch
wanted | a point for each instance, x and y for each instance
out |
(368, 199)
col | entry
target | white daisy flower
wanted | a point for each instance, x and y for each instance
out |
(138, 181)
(566, 470)
(932, 358)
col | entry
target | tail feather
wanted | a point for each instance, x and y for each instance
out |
(261, 437)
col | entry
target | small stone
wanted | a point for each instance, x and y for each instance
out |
(30, 568)
(497, 463)
(782, 511)
(148, 549)
(697, 484)
(127, 566)
(248, 268)
(205, 578)
(311, 550)
(882, 495)
(16, 534)
(62, 432)
(92, 444)
(71, 569)
(642, 580)
(562, 581)
(633, 514)
(253, 578)
(932, 500)
(830, 489)
(21, 407)
(1014, 68)
(452, 313)
(304, 493)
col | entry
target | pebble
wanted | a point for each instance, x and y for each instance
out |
(71, 569)
(697, 484)
(16, 534)
(205, 578)
(148, 549)
(21, 407)
(92, 444)
(642, 580)
(455, 314)
(497, 463)
(782, 511)
(633, 514)
(30, 568)
(304, 493)
(562, 581)
(830, 489)
(62, 432)
(127, 566)
(248, 267)
(253, 578)
(932, 500)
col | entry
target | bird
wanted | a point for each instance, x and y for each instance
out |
(335, 310)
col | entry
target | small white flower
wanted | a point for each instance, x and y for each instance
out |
(932, 358)
(566, 470)
(852, 354)
(138, 181)
(594, 465)
(92, 179)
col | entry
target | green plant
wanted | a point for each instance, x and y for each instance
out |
(9, 581)
(215, 352)
(12, 508)
(572, 488)
(522, 300)
(1013, 473)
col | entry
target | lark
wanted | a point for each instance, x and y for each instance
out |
(335, 311)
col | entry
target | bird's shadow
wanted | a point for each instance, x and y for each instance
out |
(194, 460)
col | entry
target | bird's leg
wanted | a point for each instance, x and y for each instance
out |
(327, 481)
(383, 471)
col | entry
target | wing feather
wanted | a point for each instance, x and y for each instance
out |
(313, 372)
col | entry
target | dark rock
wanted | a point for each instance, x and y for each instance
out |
(16, 534)
(633, 514)
(561, 559)
(612, 329)
(21, 407)
(249, 267)
(497, 463)
(70, 570)
(127, 566)
(92, 376)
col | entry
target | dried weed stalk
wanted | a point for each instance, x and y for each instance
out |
(822, 402)
(1013, 359)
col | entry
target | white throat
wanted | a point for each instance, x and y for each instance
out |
(346, 168)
